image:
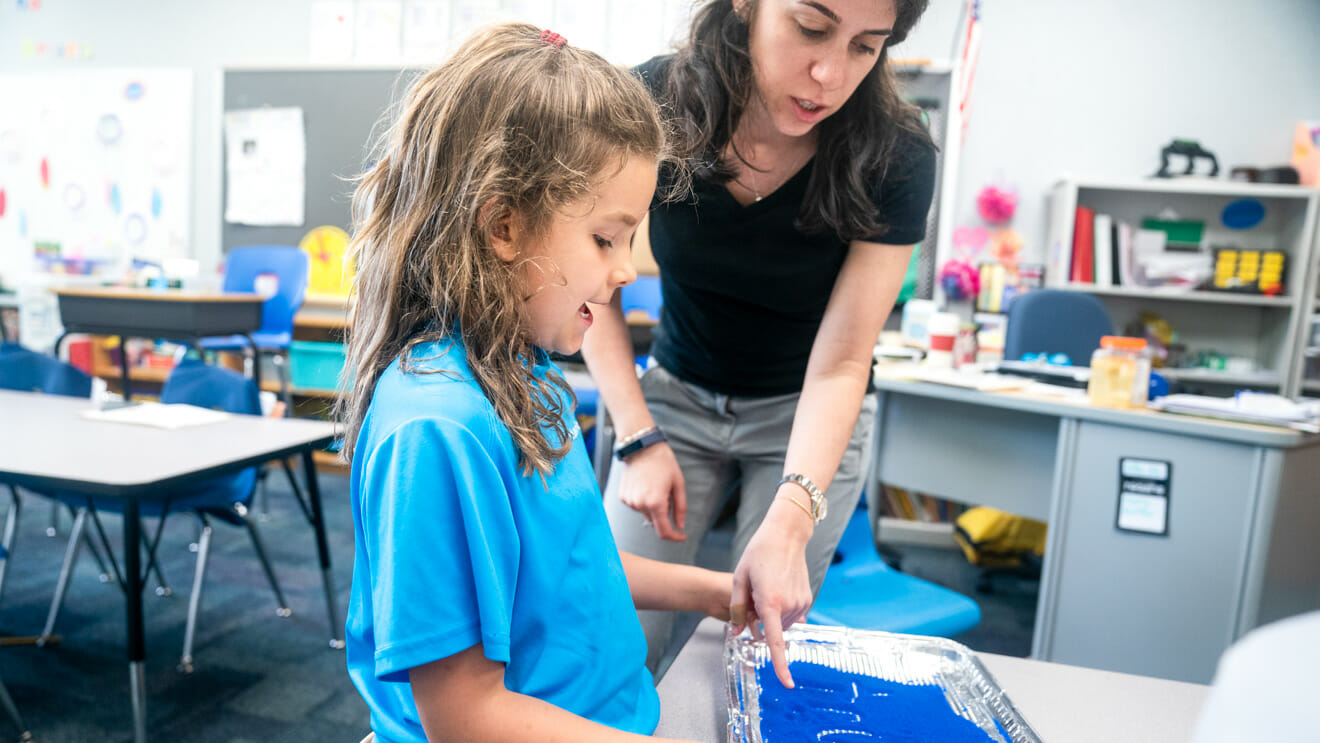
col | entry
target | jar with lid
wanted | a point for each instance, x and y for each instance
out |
(1120, 373)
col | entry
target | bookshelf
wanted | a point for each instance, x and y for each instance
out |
(1268, 334)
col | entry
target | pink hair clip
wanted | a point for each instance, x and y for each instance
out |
(550, 38)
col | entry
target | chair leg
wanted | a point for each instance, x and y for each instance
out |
(281, 362)
(103, 572)
(195, 600)
(283, 609)
(7, 541)
(66, 571)
(12, 711)
(153, 565)
(54, 527)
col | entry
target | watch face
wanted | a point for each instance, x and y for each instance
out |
(823, 510)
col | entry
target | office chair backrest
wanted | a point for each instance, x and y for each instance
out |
(644, 295)
(1056, 321)
(244, 265)
(29, 371)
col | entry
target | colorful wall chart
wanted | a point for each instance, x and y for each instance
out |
(95, 168)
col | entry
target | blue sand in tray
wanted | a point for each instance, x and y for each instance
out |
(831, 706)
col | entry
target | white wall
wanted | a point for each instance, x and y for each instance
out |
(1088, 87)
(1096, 88)
(207, 35)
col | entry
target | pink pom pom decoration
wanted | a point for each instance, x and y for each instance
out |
(959, 279)
(996, 205)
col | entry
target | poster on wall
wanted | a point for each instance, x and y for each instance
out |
(95, 170)
(265, 166)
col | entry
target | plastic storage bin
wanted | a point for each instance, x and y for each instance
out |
(315, 365)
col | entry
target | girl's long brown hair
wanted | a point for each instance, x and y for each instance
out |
(510, 125)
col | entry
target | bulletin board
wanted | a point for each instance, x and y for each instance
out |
(341, 109)
(95, 169)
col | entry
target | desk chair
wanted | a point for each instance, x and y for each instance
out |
(224, 498)
(642, 295)
(25, 370)
(247, 267)
(1056, 321)
(861, 591)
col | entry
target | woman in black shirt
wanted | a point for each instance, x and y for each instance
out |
(813, 180)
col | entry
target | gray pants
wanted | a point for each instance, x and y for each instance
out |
(724, 445)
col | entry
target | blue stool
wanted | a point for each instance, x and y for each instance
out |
(862, 592)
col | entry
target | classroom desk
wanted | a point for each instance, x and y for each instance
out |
(45, 443)
(1061, 703)
(1241, 548)
(158, 313)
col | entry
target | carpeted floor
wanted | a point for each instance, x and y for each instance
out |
(260, 677)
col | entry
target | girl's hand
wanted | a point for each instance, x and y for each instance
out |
(771, 585)
(653, 486)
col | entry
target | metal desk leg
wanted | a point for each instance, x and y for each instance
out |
(318, 523)
(137, 650)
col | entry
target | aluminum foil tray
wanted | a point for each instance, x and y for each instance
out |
(967, 686)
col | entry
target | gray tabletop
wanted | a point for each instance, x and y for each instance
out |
(44, 440)
(1065, 407)
(1062, 703)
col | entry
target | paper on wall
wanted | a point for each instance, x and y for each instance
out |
(330, 36)
(265, 166)
(376, 35)
(426, 31)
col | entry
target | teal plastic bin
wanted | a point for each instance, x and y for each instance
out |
(314, 365)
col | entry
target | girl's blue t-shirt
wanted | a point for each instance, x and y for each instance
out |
(454, 546)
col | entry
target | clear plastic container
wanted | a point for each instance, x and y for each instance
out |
(1120, 373)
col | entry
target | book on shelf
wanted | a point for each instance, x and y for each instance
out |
(1103, 231)
(901, 503)
(1123, 254)
(1083, 252)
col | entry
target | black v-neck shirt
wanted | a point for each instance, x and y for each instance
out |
(745, 291)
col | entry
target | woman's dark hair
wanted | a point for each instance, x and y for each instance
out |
(711, 83)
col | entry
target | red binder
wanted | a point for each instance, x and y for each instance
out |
(1083, 253)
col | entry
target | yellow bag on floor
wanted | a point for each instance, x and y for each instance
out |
(992, 538)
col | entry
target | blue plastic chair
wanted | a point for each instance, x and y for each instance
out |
(863, 592)
(642, 295)
(1056, 321)
(225, 498)
(244, 266)
(28, 371)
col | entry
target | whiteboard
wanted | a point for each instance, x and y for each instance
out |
(95, 169)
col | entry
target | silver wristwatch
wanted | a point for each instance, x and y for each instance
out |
(819, 506)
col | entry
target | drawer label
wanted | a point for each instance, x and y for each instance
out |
(1143, 496)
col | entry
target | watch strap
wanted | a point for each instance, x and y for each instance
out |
(818, 504)
(638, 441)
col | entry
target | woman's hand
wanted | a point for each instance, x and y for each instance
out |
(653, 485)
(771, 585)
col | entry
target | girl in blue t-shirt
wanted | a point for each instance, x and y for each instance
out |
(489, 602)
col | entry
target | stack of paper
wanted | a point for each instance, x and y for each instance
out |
(1247, 407)
(971, 379)
(157, 415)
